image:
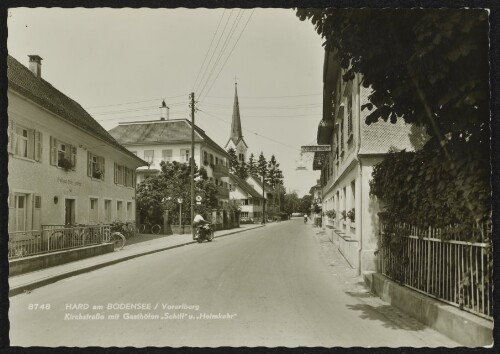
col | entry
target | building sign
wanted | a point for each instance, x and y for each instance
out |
(68, 181)
(315, 148)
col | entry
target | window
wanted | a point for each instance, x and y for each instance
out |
(166, 155)
(20, 212)
(93, 211)
(129, 211)
(241, 157)
(244, 202)
(185, 155)
(24, 142)
(244, 214)
(95, 166)
(149, 156)
(205, 158)
(107, 211)
(62, 154)
(349, 116)
(124, 176)
(119, 210)
(341, 132)
(211, 159)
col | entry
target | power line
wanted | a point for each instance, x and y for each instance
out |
(251, 131)
(299, 106)
(141, 116)
(216, 46)
(125, 103)
(265, 97)
(138, 109)
(208, 50)
(234, 46)
(224, 46)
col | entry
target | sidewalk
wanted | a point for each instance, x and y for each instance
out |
(29, 281)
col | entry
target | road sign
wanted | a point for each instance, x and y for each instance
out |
(179, 200)
(198, 198)
(315, 148)
(198, 203)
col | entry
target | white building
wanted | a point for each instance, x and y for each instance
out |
(170, 140)
(64, 168)
(251, 202)
(346, 171)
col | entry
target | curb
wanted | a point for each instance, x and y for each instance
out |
(465, 328)
(54, 278)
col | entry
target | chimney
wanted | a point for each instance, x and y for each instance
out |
(164, 111)
(36, 65)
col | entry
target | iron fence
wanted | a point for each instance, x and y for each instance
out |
(455, 271)
(56, 238)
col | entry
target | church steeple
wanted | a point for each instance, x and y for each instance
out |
(236, 138)
(236, 134)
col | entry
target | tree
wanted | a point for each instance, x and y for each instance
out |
(159, 193)
(242, 170)
(272, 177)
(426, 66)
(233, 160)
(252, 165)
(291, 203)
(305, 204)
(262, 172)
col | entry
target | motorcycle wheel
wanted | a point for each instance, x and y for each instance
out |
(210, 236)
(199, 239)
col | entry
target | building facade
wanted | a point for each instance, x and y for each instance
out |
(170, 140)
(347, 170)
(64, 168)
(251, 202)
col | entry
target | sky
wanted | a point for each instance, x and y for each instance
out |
(119, 64)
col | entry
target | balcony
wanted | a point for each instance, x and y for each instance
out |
(220, 170)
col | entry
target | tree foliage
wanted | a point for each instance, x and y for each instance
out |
(426, 66)
(252, 165)
(233, 161)
(159, 193)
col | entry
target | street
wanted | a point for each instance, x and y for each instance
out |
(281, 285)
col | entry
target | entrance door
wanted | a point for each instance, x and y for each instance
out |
(69, 212)
(20, 212)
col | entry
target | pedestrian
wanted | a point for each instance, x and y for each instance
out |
(305, 218)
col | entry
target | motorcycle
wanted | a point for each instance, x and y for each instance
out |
(204, 232)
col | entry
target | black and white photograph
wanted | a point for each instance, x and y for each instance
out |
(249, 177)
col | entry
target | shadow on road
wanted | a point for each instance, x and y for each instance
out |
(388, 317)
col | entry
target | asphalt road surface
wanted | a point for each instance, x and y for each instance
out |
(280, 285)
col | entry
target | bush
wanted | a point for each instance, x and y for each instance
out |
(331, 214)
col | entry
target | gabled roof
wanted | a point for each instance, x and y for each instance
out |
(267, 188)
(162, 132)
(24, 82)
(245, 186)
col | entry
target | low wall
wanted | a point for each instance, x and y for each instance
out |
(33, 263)
(349, 249)
(463, 327)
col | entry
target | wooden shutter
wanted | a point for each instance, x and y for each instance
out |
(38, 146)
(73, 157)
(89, 164)
(12, 136)
(53, 151)
(101, 164)
(116, 174)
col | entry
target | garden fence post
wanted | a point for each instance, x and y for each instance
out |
(428, 260)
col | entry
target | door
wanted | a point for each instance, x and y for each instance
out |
(20, 212)
(69, 212)
(107, 211)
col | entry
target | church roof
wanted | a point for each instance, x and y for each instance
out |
(236, 133)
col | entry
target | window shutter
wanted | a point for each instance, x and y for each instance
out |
(11, 200)
(133, 179)
(101, 166)
(38, 201)
(12, 136)
(116, 174)
(89, 164)
(73, 157)
(31, 144)
(53, 151)
(38, 146)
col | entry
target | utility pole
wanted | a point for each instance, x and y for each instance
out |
(263, 200)
(192, 159)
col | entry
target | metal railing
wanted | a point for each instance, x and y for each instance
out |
(454, 271)
(54, 238)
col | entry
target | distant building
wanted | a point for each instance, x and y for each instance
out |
(170, 140)
(250, 200)
(347, 170)
(64, 168)
(236, 139)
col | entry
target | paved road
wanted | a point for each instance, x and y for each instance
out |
(275, 286)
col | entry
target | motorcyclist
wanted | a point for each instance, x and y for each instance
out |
(305, 218)
(197, 221)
